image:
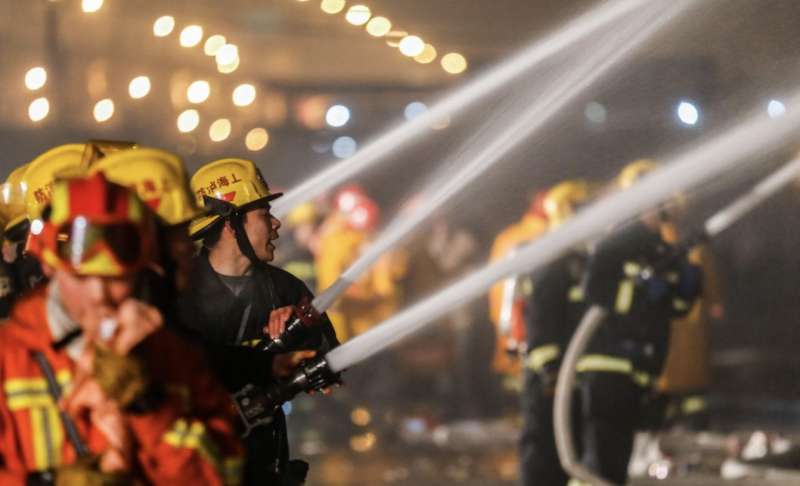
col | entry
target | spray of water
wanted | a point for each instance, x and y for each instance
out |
(479, 156)
(456, 102)
(738, 146)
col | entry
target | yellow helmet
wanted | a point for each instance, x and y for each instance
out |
(157, 176)
(635, 171)
(97, 149)
(43, 170)
(302, 214)
(234, 181)
(563, 199)
(13, 198)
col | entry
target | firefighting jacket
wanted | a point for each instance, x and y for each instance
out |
(229, 326)
(644, 284)
(554, 310)
(187, 437)
(375, 296)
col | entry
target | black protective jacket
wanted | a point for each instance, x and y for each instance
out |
(554, 310)
(229, 326)
(645, 284)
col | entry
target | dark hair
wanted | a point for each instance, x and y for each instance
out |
(213, 234)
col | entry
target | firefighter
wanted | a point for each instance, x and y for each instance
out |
(509, 326)
(161, 182)
(644, 283)
(94, 389)
(376, 294)
(237, 299)
(553, 311)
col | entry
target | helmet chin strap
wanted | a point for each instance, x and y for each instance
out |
(235, 216)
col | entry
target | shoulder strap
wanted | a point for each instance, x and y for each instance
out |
(55, 392)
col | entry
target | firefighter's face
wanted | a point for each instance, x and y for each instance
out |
(89, 299)
(262, 231)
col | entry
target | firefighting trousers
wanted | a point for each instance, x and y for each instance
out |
(539, 464)
(611, 411)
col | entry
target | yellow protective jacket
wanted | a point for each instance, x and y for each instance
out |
(688, 367)
(371, 299)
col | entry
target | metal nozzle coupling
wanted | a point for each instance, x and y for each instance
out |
(305, 316)
(257, 405)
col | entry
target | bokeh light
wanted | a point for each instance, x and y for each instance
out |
(454, 63)
(344, 147)
(38, 109)
(163, 26)
(358, 14)
(213, 44)
(337, 116)
(332, 6)
(411, 46)
(198, 91)
(414, 109)
(379, 26)
(188, 121)
(35, 78)
(91, 6)
(219, 130)
(256, 139)
(139, 87)
(191, 35)
(244, 94)
(103, 110)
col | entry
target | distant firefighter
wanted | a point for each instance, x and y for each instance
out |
(376, 295)
(509, 330)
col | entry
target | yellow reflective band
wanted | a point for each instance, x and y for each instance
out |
(526, 287)
(540, 356)
(300, 269)
(252, 343)
(680, 304)
(24, 393)
(39, 383)
(693, 405)
(232, 470)
(641, 378)
(624, 296)
(195, 436)
(600, 362)
(631, 269)
(39, 440)
(575, 294)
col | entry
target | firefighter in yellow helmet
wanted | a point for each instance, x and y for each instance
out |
(644, 283)
(12, 217)
(508, 322)
(161, 182)
(36, 186)
(237, 299)
(552, 310)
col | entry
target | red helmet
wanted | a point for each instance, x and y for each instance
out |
(364, 215)
(95, 227)
(347, 197)
(536, 207)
